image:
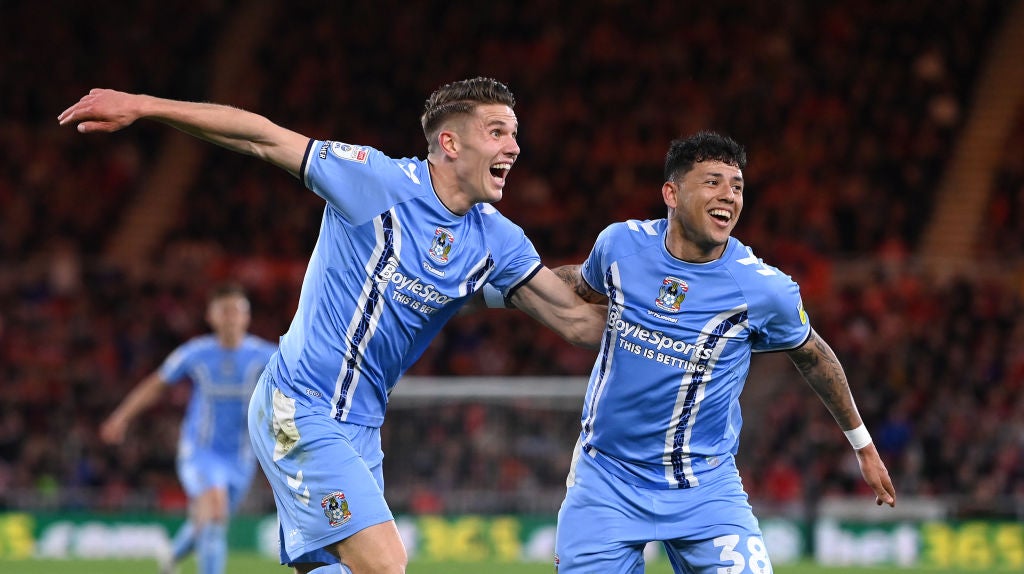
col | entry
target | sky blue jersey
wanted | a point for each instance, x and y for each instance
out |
(222, 382)
(391, 265)
(662, 405)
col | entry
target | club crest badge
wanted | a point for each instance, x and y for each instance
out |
(441, 246)
(671, 294)
(336, 508)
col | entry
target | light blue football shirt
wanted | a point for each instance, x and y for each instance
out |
(222, 383)
(663, 400)
(391, 265)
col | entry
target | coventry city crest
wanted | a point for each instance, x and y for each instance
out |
(671, 294)
(441, 246)
(336, 508)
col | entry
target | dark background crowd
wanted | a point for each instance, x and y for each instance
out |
(850, 113)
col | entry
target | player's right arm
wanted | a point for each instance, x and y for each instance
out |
(143, 396)
(235, 129)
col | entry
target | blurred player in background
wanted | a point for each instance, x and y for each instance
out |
(403, 244)
(215, 457)
(688, 304)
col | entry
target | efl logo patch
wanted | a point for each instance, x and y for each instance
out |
(671, 294)
(336, 508)
(350, 152)
(441, 246)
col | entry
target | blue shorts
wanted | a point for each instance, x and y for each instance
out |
(326, 475)
(202, 470)
(605, 523)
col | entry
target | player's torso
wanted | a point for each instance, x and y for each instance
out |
(384, 278)
(666, 383)
(223, 381)
(673, 326)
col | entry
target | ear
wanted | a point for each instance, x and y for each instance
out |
(669, 192)
(449, 142)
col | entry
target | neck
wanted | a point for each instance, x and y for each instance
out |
(690, 251)
(446, 186)
(230, 341)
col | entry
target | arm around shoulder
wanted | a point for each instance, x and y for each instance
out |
(549, 299)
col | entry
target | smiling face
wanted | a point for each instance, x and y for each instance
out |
(482, 147)
(704, 205)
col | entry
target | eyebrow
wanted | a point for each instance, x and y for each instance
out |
(502, 123)
(722, 176)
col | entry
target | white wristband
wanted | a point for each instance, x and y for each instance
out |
(493, 298)
(858, 437)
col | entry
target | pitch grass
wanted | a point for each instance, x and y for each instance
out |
(254, 564)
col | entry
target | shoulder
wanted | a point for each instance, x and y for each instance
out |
(635, 231)
(744, 263)
(334, 155)
(631, 236)
(759, 280)
(493, 220)
(199, 343)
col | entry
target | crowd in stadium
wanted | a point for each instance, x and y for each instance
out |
(849, 114)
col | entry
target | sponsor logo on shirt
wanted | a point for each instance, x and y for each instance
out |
(412, 292)
(658, 339)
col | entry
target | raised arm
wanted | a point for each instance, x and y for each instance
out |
(821, 369)
(233, 128)
(548, 299)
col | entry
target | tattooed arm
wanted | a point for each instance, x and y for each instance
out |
(570, 274)
(547, 298)
(821, 369)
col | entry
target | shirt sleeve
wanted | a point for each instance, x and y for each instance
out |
(176, 365)
(360, 182)
(784, 324)
(516, 259)
(593, 268)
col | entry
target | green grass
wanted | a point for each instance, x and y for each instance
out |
(254, 564)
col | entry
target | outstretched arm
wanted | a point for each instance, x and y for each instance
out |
(548, 299)
(139, 399)
(821, 369)
(235, 129)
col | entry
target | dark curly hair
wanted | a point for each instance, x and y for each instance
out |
(702, 146)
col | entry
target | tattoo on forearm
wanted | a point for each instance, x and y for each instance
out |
(821, 369)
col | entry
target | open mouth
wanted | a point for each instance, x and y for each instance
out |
(721, 215)
(500, 170)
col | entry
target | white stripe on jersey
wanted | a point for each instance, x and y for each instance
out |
(647, 226)
(684, 385)
(357, 316)
(203, 379)
(608, 346)
(464, 286)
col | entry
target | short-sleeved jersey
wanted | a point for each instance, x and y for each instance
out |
(222, 383)
(663, 400)
(391, 265)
